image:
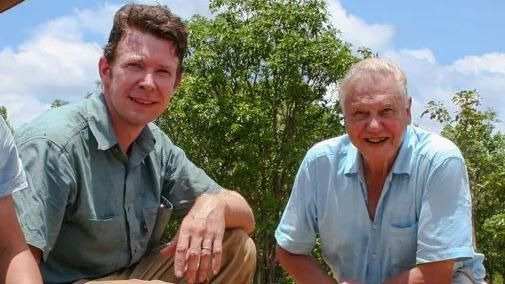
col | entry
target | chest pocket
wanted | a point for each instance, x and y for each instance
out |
(402, 246)
(98, 240)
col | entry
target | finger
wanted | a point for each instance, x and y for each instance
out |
(193, 259)
(169, 249)
(205, 258)
(181, 254)
(217, 251)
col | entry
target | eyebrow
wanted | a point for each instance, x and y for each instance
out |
(163, 66)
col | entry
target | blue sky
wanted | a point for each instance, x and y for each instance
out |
(451, 29)
(50, 51)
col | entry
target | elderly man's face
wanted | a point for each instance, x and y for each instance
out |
(376, 117)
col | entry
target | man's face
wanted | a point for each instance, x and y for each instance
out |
(376, 117)
(139, 83)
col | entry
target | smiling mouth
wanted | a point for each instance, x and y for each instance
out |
(141, 101)
(376, 141)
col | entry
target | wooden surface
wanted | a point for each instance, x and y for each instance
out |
(7, 4)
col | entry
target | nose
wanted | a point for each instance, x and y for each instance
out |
(374, 123)
(147, 82)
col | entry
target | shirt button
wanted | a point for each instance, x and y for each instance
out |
(374, 256)
(129, 208)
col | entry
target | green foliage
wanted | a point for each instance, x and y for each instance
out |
(3, 113)
(57, 103)
(254, 99)
(494, 231)
(484, 151)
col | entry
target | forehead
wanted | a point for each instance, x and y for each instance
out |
(373, 89)
(135, 43)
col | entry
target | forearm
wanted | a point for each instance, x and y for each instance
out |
(311, 271)
(238, 213)
(22, 269)
(435, 272)
(17, 264)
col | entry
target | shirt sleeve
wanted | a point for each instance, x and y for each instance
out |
(41, 208)
(297, 229)
(184, 182)
(445, 221)
(12, 176)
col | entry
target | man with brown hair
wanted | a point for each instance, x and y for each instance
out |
(99, 170)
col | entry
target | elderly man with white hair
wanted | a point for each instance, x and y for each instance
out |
(389, 201)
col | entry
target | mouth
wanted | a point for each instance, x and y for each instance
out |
(376, 141)
(142, 101)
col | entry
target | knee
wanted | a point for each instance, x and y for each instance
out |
(241, 245)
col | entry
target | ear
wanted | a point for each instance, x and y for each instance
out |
(408, 109)
(178, 80)
(104, 70)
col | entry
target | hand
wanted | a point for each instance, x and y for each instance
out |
(198, 243)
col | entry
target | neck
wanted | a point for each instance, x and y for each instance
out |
(376, 170)
(126, 138)
(125, 134)
(375, 177)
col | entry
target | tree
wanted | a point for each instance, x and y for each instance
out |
(57, 103)
(484, 151)
(254, 99)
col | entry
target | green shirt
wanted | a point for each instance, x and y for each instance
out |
(91, 209)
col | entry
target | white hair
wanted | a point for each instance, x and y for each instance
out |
(367, 68)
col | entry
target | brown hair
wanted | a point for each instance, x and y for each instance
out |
(156, 20)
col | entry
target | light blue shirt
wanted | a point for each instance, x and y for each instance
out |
(423, 215)
(12, 176)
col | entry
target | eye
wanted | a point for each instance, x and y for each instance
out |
(163, 72)
(387, 111)
(134, 65)
(359, 114)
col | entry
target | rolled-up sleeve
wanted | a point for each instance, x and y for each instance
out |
(297, 229)
(184, 181)
(12, 176)
(445, 221)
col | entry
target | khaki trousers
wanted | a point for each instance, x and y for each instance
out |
(238, 265)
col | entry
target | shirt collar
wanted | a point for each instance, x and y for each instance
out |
(402, 164)
(403, 161)
(352, 160)
(101, 127)
(99, 122)
(142, 146)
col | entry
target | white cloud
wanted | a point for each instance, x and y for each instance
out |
(22, 108)
(56, 62)
(357, 31)
(487, 63)
(59, 61)
(98, 21)
(430, 80)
